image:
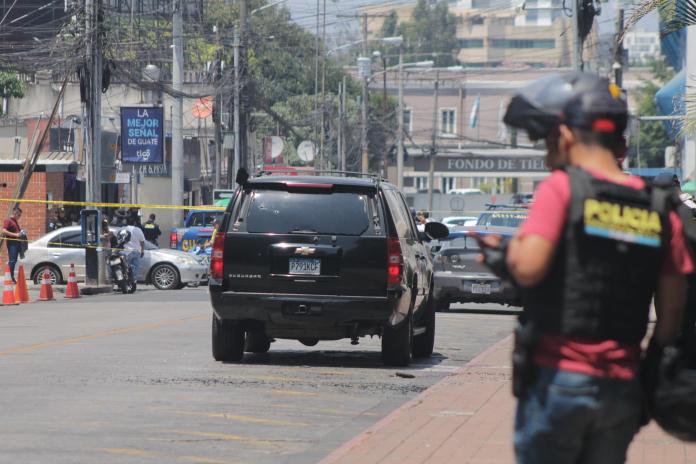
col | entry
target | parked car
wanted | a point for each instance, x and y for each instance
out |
(165, 269)
(502, 217)
(460, 278)
(455, 221)
(321, 258)
(196, 231)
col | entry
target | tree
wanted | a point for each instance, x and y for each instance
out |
(653, 135)
(431, 30)
(11, 86)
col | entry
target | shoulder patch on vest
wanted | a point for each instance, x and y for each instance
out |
(623, 223)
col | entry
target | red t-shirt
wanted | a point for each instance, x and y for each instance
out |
(606, 358)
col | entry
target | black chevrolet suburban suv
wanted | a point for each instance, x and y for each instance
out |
(321, 258)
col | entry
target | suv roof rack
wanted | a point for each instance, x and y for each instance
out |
(376, 177)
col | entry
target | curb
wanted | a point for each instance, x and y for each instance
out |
(354, 442)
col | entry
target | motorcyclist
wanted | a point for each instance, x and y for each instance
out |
(134, 249)
(593, 252)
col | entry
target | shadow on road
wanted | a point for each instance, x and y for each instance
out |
(361, 359)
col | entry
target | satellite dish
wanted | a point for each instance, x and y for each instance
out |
(305, 151)
(277, 146)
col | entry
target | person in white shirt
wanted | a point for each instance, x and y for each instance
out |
(135, 248)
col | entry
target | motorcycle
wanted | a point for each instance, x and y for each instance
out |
(121, 272)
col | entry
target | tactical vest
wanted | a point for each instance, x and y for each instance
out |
(607, 263)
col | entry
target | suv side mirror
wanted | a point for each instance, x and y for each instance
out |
(434, 231)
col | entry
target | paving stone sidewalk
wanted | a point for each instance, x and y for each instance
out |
(467, 418)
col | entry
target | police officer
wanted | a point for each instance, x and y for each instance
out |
(151, 230)
(595, 249)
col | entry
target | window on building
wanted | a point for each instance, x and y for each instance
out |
(471, 43)
(421, 183)
(523, 43)
(408, 119)
(446, 184)
(448, 121)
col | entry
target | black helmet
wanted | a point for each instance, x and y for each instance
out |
(577, 99)
(122, 237)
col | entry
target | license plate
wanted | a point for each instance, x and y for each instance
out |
(483, 289)
(119, 274)
(305, 266)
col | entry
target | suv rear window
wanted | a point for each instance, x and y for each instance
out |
(281, 212)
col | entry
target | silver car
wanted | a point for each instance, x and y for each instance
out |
(164, 268)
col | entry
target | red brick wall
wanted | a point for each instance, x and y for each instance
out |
(33, 214)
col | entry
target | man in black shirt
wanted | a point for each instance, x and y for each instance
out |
(151, 230)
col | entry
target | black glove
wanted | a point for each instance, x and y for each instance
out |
(494, 258)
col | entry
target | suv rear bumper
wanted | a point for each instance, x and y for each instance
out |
(290, 315)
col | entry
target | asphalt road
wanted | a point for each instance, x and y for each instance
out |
(130, 379)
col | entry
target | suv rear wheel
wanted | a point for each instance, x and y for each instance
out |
(424, 343)
(397, 343)
(228, 340)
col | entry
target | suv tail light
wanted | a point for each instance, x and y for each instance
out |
(173, 240)
(216, 257)
(395, 261)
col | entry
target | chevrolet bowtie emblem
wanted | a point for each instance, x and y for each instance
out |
(305, 251)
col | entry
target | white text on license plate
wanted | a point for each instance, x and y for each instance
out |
(484, 289)
(305, 266)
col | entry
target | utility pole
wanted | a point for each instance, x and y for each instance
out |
(177, 110)
(433, 147)
(94, 63)
(231, 168)
(400, 121)
(339, 132)
(218, 119)
(322, 136)
(241, 84)
(577, 41)
(342, 151)
(316, 85)
(363, 120)
(619, 54)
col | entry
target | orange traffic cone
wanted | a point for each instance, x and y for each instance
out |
(8, 296)
(21, 292)
(72, 291)
(46, 293)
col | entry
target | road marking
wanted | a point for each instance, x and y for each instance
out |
(227, 437)
(293, 393)
(143, 453)
(238, 418)
(336, 412)
(107, 333)
(130, 452)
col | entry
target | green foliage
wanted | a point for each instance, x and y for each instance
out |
(11, 86)
(653, 136)
(431, 30)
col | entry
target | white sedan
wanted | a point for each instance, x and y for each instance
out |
(164, 268)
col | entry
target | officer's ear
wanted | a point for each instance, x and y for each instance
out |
(566, 139)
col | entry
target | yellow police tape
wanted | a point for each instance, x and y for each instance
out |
(110, 205)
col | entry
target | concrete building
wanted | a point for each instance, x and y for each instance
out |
(508, 33)
(642, 46)
(121, 183)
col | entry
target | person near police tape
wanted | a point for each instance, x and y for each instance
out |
(13, 234)
(594, 250)
(151, 230)
(134, 249)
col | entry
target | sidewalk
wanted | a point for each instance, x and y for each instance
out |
(467, 418)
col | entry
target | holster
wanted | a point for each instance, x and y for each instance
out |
(523, 369)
